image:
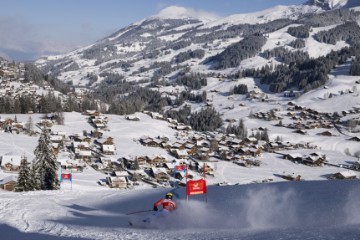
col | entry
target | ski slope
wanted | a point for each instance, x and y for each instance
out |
(303, 210)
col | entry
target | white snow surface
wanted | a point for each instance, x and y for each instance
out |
(304, 210)
(178, 12)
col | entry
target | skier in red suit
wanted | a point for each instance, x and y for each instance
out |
(167, 203)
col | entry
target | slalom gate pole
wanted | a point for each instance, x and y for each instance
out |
(186, 180)
(139, 212)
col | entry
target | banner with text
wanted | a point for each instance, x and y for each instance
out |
(194, 187)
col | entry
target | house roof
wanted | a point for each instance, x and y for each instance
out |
(347, 174)
(108, 148)
(8, 179)
(13, 159)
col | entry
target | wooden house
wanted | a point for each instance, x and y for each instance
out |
(156, 160)
(160, 174)
(8, 183)
(11, 163)
(180, 154)
(296, 157)
(108, 147)
(314, 159)
(117, 182)
(345, 175)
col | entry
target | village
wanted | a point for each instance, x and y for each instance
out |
(198, 151)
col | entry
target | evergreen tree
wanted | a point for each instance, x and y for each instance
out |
(34, 177)
(24, 180)
(46, 163)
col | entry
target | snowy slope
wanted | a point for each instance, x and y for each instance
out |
(305, 210)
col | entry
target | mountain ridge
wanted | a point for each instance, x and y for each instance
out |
(158, 48)
(334, 4)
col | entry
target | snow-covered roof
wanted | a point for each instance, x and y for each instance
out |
(13, 159)
(9, 179)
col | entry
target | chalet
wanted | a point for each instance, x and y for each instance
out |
(345, 175)
(207, 167)
(11, 163)
(160, 174)
(314, 159)
(156, 160)
(166, 145)
(117, 182)
(8, 183)
(108, 147)
(178, 145)
(99, 124)
(355, 165)
(137, 174)
(77, 146)
(249, 140)
(255, 151)
(97, 134)
(66, 161)
(135, 163)
(180, 154)
(296, 157)
(107, 161)
(197, 137)
(82, 150)
(121, 174)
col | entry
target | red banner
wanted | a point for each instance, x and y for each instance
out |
(179, 168)
(194, 187)
(66, 176)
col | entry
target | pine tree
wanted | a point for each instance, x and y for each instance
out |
(34, 177)
(46, 163)
(24, 180)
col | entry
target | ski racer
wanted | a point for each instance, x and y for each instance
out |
(168, 205)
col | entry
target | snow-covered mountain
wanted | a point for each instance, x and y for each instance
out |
(334, 4)
(186, 39)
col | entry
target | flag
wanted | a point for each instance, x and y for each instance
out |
(66, 176)
(194, 187)
(180, 168)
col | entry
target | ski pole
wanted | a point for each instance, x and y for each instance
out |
(139, 212)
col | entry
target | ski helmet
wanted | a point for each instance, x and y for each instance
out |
(169, 195)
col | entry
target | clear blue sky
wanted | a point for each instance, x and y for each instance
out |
(30, 28)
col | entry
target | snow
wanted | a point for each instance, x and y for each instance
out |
(303, 210)
(264, 16)
(177, 12)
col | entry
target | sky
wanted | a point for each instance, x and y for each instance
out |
(31, 28)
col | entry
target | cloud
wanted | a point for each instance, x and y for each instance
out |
(17, 35)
